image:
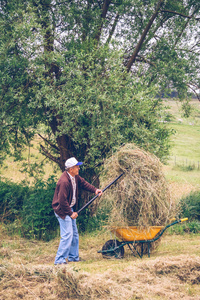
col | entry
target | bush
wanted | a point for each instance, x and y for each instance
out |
(188, 227)
(190, 206)
(38, 219)
(12, 196)
(27, 210)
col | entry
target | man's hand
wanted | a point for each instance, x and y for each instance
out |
(74, 215)
(98, 192)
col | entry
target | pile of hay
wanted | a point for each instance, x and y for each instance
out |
(141, 196)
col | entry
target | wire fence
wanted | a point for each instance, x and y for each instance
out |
(187, 164)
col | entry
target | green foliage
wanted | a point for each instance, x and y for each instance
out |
(38, 219)
(61, 69)
(187, 227)
(187, 109)
(99, 111)
(88, 223)
(27, 210)
(190, 206)
(12, 196)
(184, 168)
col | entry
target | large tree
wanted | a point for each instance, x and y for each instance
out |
(89, 73)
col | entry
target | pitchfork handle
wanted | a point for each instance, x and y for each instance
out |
(89, 202)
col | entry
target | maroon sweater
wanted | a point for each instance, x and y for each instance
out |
(64, 193)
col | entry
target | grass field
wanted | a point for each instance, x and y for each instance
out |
(27, 271)
(172, 272)
(185, 142)
(13, 170)
(183, 167)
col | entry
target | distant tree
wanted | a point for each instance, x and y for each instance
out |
(88, 73)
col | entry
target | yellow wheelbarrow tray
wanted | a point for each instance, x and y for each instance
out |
(134, 233)
(135, 238)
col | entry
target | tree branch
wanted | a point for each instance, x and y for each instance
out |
(50, 156)
(179, 14)
(184, 27)
(105, 7)
(142, 58)
(48, 142)
(113, 28)
(197, 95)
(144, 34)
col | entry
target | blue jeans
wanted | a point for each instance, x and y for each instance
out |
(69, 242)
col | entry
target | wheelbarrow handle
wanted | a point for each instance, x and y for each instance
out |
(178, 221)
(183, 220)
(89, 202)
(162, 231)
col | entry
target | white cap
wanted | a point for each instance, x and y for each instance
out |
(71, 162)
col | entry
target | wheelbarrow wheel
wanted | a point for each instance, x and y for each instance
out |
(112, 244)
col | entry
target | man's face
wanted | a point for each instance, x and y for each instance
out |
(74, 170)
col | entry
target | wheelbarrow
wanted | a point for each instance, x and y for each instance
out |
(138, 240)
